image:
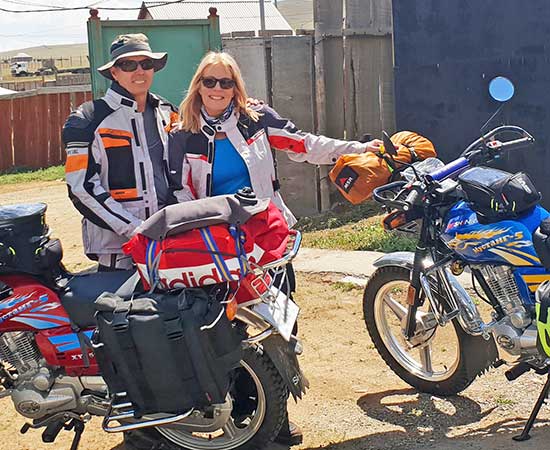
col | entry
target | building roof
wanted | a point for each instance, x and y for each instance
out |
(4, 91)
(235, 15)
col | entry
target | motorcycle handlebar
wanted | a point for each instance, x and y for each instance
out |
(483, 150)
(462, 163)
(491, 134)
(377, 193)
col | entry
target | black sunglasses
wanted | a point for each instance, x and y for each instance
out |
(130, 65)
(225, 83)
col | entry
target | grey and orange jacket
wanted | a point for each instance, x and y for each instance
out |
(191, 154)
(108, 169)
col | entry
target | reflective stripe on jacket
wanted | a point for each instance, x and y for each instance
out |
(108, 169)
(191, 154)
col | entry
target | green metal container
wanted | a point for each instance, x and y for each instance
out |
(186, 42)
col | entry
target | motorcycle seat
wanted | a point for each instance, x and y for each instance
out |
(81, 292)
(541, 242)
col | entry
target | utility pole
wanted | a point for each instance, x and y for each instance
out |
(267, 52)
(262, 17)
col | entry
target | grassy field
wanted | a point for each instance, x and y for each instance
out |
(64, 56)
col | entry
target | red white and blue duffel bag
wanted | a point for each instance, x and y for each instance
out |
(208, 241)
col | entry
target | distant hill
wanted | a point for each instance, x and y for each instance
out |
(298, 13)
(74, 51)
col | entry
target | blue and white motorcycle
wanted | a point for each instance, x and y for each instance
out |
(432, 331)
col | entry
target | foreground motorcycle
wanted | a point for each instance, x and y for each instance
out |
(49, 369)
(432, 332)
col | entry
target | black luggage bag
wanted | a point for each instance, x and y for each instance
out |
(25, 245)
(497, 195)
(169, 353)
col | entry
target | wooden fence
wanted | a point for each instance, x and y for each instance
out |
(68, 79)
(337, 82)
(31, 122)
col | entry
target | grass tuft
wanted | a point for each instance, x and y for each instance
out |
(24, 175)
(345, 286)
(366, 234)
(353, 228)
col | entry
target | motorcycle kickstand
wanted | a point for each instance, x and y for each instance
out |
(524, 436)
(78, 427)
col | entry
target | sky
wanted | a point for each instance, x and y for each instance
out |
(20, 30)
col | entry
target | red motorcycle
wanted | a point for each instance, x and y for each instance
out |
(51, 373)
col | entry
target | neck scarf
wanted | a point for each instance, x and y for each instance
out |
(221, 118)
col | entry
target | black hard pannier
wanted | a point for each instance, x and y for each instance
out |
(169, 353)
(496, 195)
(24, 242)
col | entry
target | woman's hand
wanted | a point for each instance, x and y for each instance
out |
(373, 146)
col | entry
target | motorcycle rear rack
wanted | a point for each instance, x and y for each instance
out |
(122, 410)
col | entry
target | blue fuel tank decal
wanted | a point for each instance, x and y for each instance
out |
(68, 342)
(503, 242)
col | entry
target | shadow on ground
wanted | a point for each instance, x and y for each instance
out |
(428, 421)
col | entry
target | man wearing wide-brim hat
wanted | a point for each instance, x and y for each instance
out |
(117, 152)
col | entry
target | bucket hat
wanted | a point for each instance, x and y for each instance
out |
(127, 45)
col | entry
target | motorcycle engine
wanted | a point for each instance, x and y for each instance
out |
(515, 333)
(36, 390)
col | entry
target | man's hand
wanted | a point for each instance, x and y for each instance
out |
(254, 102)
(373, 146)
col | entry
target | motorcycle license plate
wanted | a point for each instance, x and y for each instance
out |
(280, 313)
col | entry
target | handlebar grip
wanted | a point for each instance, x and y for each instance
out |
(518, 143)
(411, 200)
(450, 169)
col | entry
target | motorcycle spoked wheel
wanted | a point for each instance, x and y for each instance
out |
(441, 361)
(265, 402)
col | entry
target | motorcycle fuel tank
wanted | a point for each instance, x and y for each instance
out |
(507, 242)
(30, 306)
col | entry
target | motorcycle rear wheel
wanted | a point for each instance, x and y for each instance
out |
(442, 361)
(267, 413)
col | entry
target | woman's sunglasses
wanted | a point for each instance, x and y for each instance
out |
(225, 83)
(129, 65)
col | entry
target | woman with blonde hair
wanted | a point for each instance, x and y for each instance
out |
(223, 144)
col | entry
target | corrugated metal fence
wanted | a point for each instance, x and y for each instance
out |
(30, 130)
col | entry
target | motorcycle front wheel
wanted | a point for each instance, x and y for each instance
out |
(438, 360)
(260, 396)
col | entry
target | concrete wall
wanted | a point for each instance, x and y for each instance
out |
(250, 55)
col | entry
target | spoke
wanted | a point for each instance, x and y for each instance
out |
(398, 309)
(229, 429)
(426, 358)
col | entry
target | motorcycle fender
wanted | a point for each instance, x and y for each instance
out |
(402, 259)
(284, 358)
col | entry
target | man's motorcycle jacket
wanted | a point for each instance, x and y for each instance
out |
(108, 169)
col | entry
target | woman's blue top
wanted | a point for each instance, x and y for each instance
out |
(229, 171)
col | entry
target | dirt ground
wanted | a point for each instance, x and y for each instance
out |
(355, 401)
